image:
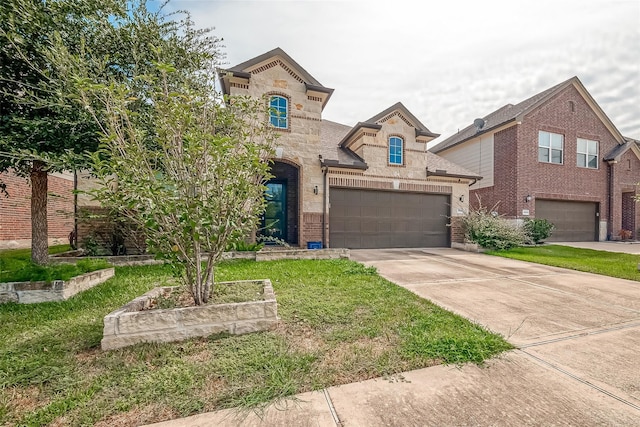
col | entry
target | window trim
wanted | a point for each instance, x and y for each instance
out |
(278, 118)
(586, 154)
(550, 148)
(402, 144)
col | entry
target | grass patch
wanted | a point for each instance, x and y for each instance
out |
(621, 265)
(16, 266)
(341, 322)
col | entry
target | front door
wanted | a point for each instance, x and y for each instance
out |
(274, 221)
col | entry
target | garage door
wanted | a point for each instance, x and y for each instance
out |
(574, 221)
(363, 219)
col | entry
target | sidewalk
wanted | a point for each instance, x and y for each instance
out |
(609, 246)
(514, 389)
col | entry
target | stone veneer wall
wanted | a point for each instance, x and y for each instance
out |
(57, 290)
(131, 324)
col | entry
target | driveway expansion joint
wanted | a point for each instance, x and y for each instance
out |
(332, 408)
(581, 380)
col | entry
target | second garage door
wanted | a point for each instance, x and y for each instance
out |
(367, 219)
(574, 221)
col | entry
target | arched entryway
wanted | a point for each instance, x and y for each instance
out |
(281, 217)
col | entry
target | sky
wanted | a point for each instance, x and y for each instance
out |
(448, 62)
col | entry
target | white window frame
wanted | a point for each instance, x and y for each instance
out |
(587, 155)
(545, 142)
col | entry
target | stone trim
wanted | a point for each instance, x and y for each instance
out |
(347, 182)
(314, 98)
(57, 290)
(239, 85)
(130, 325)
(400, 116)
(282, 64)
(268, 96)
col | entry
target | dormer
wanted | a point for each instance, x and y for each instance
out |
(388, 137)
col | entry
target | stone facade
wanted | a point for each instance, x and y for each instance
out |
(328, 155)
(132, 324)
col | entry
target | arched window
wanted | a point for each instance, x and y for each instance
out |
(278, 110)
(396, 150)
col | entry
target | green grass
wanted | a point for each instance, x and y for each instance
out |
(340, 323)
(16, 266)
(624, 266)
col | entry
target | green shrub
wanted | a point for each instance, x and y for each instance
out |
(537, 230)
(491, 231)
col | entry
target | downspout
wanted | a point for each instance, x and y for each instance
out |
(610, 201)
(324, 206)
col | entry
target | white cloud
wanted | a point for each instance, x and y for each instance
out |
(448, 62)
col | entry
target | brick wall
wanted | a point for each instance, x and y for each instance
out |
(566, 181)
(457, 231)
(626, 178)
(15, 210)
(95, 227)
(312, 228)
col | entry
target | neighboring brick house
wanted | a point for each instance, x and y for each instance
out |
(15, 210)
(557, 156)
(373, 185)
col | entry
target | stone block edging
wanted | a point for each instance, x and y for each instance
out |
(131, 324)
(468, 247)
(302, 254)
(56, 290)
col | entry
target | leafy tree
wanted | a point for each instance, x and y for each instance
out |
(190, 170)
(41, 128)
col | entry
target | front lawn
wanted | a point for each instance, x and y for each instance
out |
(341, 322)
(623, 266)
(16, 266)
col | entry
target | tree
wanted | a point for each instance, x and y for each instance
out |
(190, 170)
(41, 128)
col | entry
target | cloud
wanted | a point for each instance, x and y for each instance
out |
(448, 62)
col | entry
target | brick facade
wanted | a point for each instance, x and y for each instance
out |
(15, 210)
(569, 111)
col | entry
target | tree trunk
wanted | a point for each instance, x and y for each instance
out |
(39, 226)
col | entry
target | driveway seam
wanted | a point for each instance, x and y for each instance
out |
(583, 334)
(583, 381)
(332, 408)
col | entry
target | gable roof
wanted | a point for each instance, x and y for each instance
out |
(515, 113)
(373, 123)
(243, 70)
(333, 155)
(619, 150)
(331, 133)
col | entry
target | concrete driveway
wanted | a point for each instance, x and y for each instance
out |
(582, 327)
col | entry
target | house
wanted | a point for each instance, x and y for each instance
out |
(556, 156)
(372, 185)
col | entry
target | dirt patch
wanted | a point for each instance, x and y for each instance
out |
(300, 337)
(24, 400)
(139, 416)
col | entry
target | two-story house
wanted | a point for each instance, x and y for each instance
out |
(372, 185)
(556, 156)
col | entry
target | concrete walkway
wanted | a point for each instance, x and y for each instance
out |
(624, 247)
(577, 362)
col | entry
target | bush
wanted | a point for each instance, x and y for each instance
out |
(491, 231)
(537, 230)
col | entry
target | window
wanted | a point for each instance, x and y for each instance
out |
(278, 109)
(587, 153)
(550, 147)
(395, 150)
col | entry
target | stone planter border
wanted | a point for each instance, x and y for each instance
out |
(131, 324)
(468, 247)
(56, 290)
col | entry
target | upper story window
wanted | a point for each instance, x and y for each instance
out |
(550, 147)
(278, 112)
(396, 150)
(587, 153)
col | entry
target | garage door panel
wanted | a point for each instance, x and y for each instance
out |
(385, 219)
(573, 221)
